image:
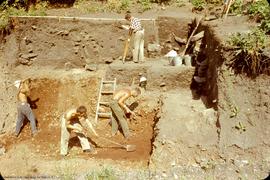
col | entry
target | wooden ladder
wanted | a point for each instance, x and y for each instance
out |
(106, 92)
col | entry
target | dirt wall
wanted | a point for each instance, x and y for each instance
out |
(167, 26)
(46, 41)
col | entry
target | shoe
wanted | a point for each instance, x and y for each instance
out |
(16, 135)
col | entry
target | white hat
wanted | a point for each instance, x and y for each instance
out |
(172, 53)
(17, 83)
(143, 79)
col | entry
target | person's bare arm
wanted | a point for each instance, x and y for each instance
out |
(122, 100)
(67, 117)
(91, 126)
(24, 89)
(76, 128)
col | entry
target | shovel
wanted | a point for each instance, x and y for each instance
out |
(126, 49)
(129, 147)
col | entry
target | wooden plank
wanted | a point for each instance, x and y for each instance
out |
(107, 92)
(99, 97)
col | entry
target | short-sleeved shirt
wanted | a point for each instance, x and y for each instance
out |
(135, 24)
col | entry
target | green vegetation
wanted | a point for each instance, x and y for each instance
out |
(259, 11)
(145, 4)
(198, 4)
(237, 7)
(110, 6)
(104, 174)
(248, 56)
(16, 9)
(179, 3)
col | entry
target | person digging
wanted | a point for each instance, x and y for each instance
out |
(23, 107)
(119, 109)
(73, 121)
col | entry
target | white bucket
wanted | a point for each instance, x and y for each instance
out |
(176, 61)
(187, 59)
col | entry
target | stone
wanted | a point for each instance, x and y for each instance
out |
(153, 47)
(122, 38)
(162, 84)
(24, 61)
(68, 66)
(34, 27)
(210, 116)
(29, 56)
(76, 49)
(2, 151)
(77, 43)
(90, 67)
(108, 61)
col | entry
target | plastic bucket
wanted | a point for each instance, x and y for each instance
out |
(177, 61)
(187, 60)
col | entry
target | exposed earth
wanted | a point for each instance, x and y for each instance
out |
(222, 133)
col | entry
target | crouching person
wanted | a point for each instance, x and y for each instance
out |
(71, 122)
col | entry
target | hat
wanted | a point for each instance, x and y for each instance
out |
(172, 53)
(143, 79)
(17, 83)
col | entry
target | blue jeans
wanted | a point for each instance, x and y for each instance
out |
(25, 111)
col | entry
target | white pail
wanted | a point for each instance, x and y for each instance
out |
(176, 61)
(187, 59)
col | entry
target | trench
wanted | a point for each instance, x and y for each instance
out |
(51, 97)
(54, 95)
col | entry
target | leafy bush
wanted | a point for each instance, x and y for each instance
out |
(146, 4)
(15, 9)
(260, 11)
(248, 56)
(198, 4)
(237, 7)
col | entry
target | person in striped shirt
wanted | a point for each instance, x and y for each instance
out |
(136, 29)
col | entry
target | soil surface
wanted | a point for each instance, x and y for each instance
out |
(220, 134)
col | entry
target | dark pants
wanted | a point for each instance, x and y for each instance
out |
(25, 111)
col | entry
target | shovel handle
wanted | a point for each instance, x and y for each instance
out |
(126, 49)
(113, 142)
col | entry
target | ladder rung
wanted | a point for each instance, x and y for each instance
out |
(105, 103)
(108, 82)
(104, 114)
(107, 92)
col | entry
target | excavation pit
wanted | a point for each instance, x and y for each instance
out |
(51, 97)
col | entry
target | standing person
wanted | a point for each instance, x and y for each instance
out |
(119, 108)
(136, 29)
(24, 109)
(70, 122)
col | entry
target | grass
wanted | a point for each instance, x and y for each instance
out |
(96, 6)
(66, 172)
(105, 173)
